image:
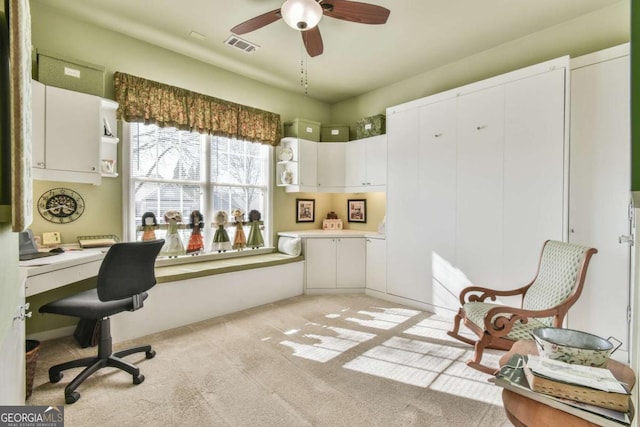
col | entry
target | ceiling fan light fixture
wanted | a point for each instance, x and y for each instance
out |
(301, 15)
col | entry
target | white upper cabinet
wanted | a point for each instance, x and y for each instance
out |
(37, 122)
(69, 131)
(296, 165)
(366, 164)
(331, 166)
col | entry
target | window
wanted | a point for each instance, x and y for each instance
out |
(170, 169)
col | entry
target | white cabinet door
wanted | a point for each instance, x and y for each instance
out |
(73, 125)
(534, 172)
(376, 273)
(351, 261)
(320, 257)
(479, 184)
(436, 202)
(38, 116)
(331, 166)
(405, 257)
(599, 194)
(307, 163)
(376, 160)
(355, 164)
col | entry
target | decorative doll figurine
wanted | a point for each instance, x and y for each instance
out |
(149, 225)
(173, 243)
(221, 241)
(255, 235)
(239, 240)
(196, 244)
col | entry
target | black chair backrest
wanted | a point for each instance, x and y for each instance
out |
(128, 269)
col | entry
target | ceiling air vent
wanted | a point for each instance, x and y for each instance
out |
(241, 44)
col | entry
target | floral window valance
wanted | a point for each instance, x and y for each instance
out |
(142, 100)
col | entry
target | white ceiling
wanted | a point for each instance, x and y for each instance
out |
(420, 35)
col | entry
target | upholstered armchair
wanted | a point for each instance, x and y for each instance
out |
(544, 302)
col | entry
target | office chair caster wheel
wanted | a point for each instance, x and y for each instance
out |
(138, 379)
(54, 378)
(150, 354)
(72, 397)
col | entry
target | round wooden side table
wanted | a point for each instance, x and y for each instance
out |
(524, 412)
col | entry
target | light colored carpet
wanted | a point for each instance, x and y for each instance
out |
(338, 360)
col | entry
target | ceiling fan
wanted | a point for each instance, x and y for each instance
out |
(304, 15)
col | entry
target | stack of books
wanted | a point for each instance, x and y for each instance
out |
(590, 393)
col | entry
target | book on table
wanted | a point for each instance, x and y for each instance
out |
(513, 378)
(587, 384)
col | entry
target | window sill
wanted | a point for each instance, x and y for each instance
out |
(191, 267)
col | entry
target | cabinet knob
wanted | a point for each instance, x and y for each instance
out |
(481, 127)
(438, 135)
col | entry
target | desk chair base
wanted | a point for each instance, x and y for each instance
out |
(105, 358)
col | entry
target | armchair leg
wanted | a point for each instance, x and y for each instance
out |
(479, 347)
(454, 333)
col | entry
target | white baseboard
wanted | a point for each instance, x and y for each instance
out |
(52, 333)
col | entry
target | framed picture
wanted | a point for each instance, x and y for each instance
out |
(305, 210)
(357, 210)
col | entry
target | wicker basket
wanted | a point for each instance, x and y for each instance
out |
(32, 350)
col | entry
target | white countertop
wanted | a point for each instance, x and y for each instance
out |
(67, 259)
(332, 233)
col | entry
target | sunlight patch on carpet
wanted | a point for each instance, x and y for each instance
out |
(426, 364)
(437, 329)
(385, 319)
(328, 347)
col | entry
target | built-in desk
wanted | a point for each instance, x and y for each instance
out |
(45, 274)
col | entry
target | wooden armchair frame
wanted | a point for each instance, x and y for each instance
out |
(501, 320)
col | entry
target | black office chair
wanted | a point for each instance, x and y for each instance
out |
(126, 273)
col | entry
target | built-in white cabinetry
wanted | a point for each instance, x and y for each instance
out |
(109, 140)
(296, 165)
(599, 188)
(335, 262)
(331, 166)
(366, 164)
(336, 167)
(376, 271)
(69, 138)
(37, 124)
(476, 183)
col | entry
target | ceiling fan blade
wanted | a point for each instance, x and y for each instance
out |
(313, 41)
(257, 22)
(363, 13)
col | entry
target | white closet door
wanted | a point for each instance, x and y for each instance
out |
(479, 183)
(404, 244)
(436, 215)
(534, 172)
(599, 194)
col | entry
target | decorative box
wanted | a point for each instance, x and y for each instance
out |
(334, 133)
(371, 126)
(332, 224)
(303, 128)
(72, 74)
